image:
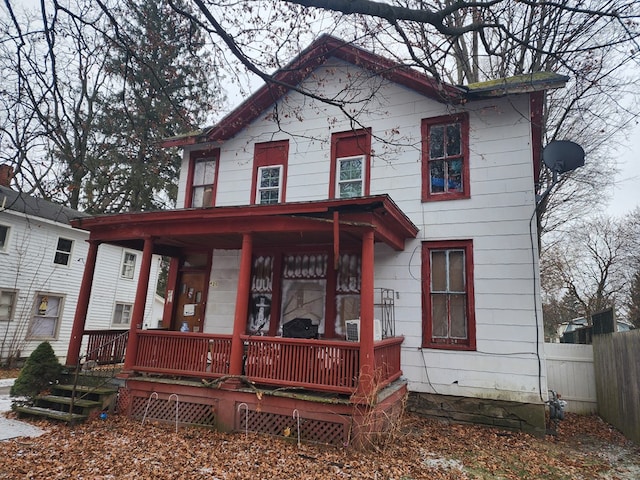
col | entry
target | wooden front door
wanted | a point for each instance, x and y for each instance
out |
(190, 304)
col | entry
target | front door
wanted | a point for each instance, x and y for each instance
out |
(190, 303)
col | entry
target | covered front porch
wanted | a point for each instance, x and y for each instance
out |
(261, 369)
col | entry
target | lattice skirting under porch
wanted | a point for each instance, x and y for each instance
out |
(286, 426)
(170, 410)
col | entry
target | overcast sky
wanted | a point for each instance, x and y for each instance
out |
(626, 191)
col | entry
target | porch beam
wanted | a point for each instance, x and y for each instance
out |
(242, 306)
(366, 384)
(82, 307)
(137, 315)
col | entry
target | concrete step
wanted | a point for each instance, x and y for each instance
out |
(49, 413)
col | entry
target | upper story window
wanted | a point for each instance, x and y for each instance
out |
(350, 164)
(128, 265)
(269, 184)
(7, 304)
(448, 302)
(445, 157)
(270, 172)
(63, 251)
(203, 172)
(4, 238)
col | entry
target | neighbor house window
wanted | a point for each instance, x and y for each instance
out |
(128, 265)
(7, 304)
(202, 175)
(122, 314)
(63, 251)
(270, 172)
(448, 302)
(4, 238)
(46, 318)
(445, 157)
(269, 184)
(350, 164)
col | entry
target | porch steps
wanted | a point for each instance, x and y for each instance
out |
(56, 405)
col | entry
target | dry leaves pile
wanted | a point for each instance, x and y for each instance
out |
(119, 448)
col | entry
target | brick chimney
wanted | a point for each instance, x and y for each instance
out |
(6, 175)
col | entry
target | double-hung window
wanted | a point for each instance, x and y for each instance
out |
(128, 265)
(63, 251)
(448, 303)
(204, 168)
(350, 164)
(445, 157)
(269, 188)
(45, 322)
(122, 314)
(4, 238)
(7, 304)
(270, 172)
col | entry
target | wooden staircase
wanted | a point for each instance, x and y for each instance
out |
(71, 404)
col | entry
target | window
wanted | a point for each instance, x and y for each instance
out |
(45, 321)
(448, 302)
(202, 179)
(122, 314)
(269, 182)
(350, 177)
(128, 265)
(270, 172)
(63, 251)
(445, 158)
(350, 156)
(4, 238)
(7, 304)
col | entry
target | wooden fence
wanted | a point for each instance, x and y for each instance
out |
(617, 365)
(571, 373)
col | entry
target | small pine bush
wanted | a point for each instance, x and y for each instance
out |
(41, 370)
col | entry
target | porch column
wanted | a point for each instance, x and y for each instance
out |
(139, 304)
(242, 305)
(366, 384)
(80, 318)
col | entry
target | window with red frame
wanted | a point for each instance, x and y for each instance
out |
(445, 157)
(270, 172)
(203, 173)
(448, 302)
(350, 164)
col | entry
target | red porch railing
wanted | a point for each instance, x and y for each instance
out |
(321, 365)
(106, 346)
(197, 355)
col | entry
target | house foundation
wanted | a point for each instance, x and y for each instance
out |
(525, 417)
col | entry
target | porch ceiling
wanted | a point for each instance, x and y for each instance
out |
(300, 223)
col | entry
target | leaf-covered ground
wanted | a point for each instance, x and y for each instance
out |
(118, 448)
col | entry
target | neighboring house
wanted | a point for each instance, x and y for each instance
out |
(295, 221)
(42, 260)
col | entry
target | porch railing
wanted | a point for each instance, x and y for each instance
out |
(321, 365)
(197, 355)
(106, 346)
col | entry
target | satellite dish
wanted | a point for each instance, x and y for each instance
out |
(562, 156)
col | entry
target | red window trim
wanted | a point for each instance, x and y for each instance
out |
(196, 155)
(268, 161)
(426, 124)
(427, 340)
(363, 148)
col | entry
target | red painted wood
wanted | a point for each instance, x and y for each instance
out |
(242, 304)
(75, 343)
(366, 383)
(106, 346)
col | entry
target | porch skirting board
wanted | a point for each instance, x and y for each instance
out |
(526, 417)
(325, 419)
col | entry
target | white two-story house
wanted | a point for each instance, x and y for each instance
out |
(365, 252)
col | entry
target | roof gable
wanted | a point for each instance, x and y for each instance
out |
(326, 46)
